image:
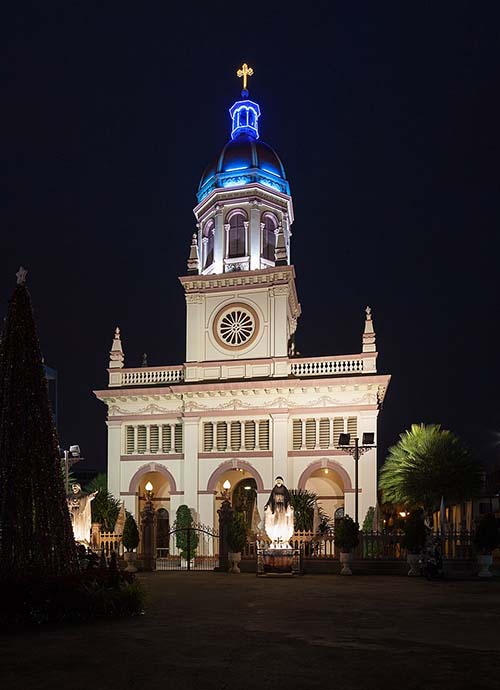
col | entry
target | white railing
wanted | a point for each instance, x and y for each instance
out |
(326, 367)
(140, 377)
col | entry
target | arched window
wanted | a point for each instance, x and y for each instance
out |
(269, 236)
(208, 244)
(236, 245)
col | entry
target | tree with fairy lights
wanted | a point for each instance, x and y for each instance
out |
(36, 537)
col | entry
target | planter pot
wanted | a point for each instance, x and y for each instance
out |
(413, 560)
(130, 559)
(234, 558)
(485, 561)
(345, 562)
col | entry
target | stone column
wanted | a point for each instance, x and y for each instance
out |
(114, 453)
(191, 425)
(254, 244)
(219, 241)
(280, 445)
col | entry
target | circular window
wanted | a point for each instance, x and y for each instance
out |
(235, 326)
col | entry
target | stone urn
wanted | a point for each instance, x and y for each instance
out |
(130, 559)
(413, 560)
(345, 562)
(234, 558)
(485, 560)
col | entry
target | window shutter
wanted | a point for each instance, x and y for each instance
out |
(352, 427)
(235, 435)
(178, 438)
(154, 438)
(264, 435)
(297, 434)
(250, 435)
(221, 436)
(310, 433)
(166, 438)
(130, 438)
(208, 437)
(324, 433)
(338, 428)
(141, 439)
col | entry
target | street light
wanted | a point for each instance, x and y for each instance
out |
(368, 442)
(70, 457)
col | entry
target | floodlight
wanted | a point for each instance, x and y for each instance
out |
(344, 439)
(368, 439)
(74, 450)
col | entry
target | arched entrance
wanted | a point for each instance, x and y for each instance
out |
(244, 499)
(162, 482)
(229, 480)
(329, 481)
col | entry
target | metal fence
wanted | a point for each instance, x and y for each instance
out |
(387, 546)
(189, 548)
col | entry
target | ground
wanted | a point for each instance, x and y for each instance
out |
(216, 631)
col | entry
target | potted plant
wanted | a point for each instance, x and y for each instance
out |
(346, 539)
(237, 539)
(486, 540)
(186, 537)
(130, 540)
(415, 535)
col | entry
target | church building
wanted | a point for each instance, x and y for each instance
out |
(244, 408)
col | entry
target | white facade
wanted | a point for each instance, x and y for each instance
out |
(242, 406)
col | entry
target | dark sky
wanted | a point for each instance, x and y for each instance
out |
(386, 116)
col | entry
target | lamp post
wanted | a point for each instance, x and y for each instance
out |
(70, 457)
(356, 451)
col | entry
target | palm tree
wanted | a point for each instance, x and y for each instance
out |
(105, 507)
(427, 463)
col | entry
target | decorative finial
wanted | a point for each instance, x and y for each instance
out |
(369, 333)
(21, 276)
(280, 255)
(244, 72)
(194, 258)
(144, 360)
(116, 356)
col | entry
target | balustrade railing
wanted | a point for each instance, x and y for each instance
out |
(140, 377)
(326, 367)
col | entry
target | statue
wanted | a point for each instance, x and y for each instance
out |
(80, 513)
(278, 516)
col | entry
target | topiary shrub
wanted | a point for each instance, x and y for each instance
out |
(346, 534)
(486, 535)
(186, 538)
(237, 532)
(130, 537)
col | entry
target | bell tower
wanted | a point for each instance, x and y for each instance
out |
(240, 288)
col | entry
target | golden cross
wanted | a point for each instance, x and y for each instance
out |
(244, 72)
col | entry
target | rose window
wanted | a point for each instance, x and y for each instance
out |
(235, 326)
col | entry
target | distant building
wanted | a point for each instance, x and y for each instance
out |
(243, 408)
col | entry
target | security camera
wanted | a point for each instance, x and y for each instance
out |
(74, 450)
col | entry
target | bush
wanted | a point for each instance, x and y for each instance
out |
(346, 534)
(93, 593)
(415, 532)
(185, 533)
(486, 536)
(130, 537)
(237, 533)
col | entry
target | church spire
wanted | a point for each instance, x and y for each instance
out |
(369, 334)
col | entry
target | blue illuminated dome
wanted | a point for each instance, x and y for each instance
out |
(244, 159)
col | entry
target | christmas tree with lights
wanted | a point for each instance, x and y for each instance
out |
(36, 536)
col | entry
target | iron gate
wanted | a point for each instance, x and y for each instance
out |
(190, 548)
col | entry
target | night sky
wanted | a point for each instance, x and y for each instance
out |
(386, 116)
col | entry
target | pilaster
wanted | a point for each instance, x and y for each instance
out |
(190, 429)
(280, 446)
(114, 452)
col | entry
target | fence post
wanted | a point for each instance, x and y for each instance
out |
(225, 512)
(189, 548)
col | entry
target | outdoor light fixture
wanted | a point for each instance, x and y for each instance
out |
(247, 488)
(226, 485)
(70, 457)
(225, 493)
(356, 450)
(149, 491)
(149, 486)
(326, 470)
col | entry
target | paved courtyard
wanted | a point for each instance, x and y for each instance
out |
(215, 631)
